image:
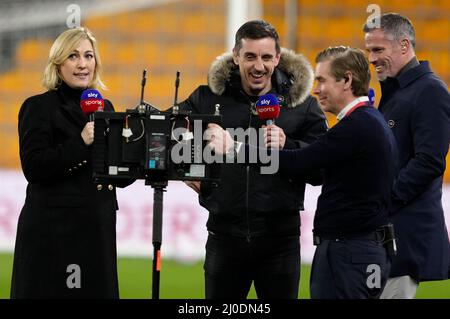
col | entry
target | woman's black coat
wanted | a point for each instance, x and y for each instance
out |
(66, 235)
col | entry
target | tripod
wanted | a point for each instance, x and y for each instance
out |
(159, 188)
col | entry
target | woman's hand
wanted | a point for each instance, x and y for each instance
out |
(88, 133)
(195, 185)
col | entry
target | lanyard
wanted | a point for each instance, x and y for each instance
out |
(363, 103)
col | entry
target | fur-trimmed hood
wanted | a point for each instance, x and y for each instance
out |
(295, 66)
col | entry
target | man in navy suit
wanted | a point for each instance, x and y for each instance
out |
(416, 105)
(356, 156)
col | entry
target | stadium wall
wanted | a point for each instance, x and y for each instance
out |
(184, 220)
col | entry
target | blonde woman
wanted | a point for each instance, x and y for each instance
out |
(66, 237)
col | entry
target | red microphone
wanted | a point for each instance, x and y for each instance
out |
(91, 101)
(268, 108)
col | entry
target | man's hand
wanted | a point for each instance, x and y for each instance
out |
(218, 139)
(274, 137)
(88, 133)
(195, 185)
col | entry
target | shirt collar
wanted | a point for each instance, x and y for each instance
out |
(411, 64)
(349, 106)
(413, 73)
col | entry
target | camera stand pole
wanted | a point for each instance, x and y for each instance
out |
(159, 188)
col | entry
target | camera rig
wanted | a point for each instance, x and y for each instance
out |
(145, 143)
(140, 144)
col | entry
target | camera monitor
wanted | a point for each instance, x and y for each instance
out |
(152, 145)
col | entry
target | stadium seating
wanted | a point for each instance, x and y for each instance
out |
(188, 35)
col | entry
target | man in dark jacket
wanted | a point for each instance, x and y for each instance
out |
(416, 105)
(254, 222)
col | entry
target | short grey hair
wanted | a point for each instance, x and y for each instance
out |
(397, 26)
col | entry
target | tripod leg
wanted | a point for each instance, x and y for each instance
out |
(156, 270)
(157, 239)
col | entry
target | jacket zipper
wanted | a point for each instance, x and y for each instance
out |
(248, 178)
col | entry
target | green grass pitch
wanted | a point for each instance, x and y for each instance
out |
(185, 281)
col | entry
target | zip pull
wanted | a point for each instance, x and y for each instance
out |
(253, 108)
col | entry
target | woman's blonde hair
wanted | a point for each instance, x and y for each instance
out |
(63, 46)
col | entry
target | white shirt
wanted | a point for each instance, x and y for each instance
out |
(349, 106)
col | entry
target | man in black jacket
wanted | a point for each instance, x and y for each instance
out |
(254, 222)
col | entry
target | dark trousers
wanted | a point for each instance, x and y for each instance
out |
(233, 263)
(349, 269)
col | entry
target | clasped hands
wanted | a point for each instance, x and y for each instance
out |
(221, 141)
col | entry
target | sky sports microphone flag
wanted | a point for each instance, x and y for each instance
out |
(268, 108)
(91, 101)
(371, 96)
